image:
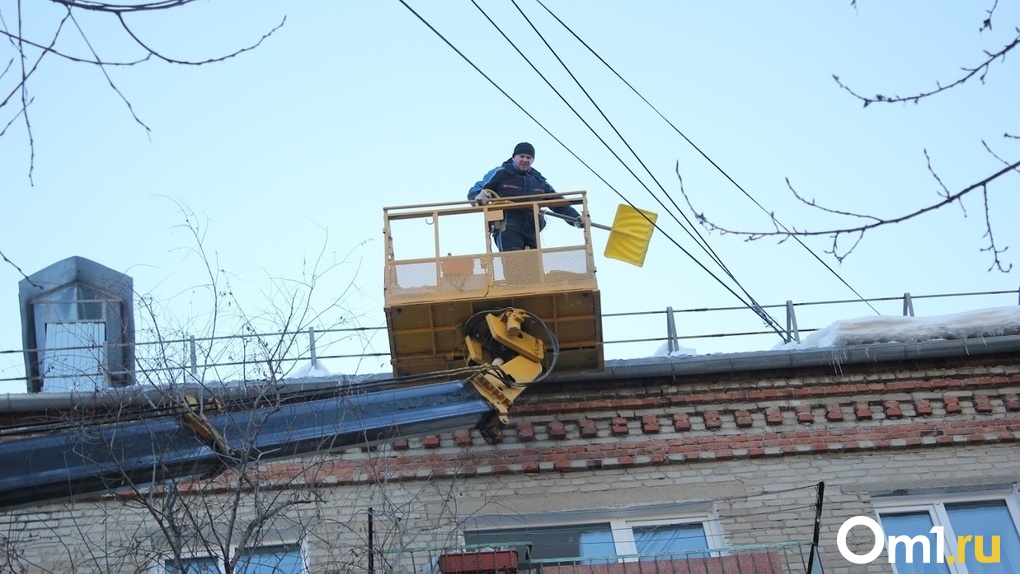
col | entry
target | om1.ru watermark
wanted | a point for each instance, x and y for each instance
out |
(908, 545)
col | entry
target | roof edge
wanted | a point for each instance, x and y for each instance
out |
(649, 367)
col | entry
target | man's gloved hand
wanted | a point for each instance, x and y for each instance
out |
(483, 197)
(578, 223)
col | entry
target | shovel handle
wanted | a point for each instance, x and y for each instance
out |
(568, 218)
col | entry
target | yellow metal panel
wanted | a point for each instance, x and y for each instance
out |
(428, 296)
(630, 235)
(428, 337)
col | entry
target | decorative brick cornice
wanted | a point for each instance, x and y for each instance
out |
(694, 437)
(833, 412)
(681, 422)
(556, 430)
(659, 450)
(534, 403)
(777, 419)
(1012, 403)
(922, 407)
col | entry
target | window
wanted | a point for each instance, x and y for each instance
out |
(278, 560)
(73, 359)
(203, 565)
(980, 532)
(671, 538)
(263, 560)
(71, 330)
(586, 538)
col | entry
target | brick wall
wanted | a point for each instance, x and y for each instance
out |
(754, 444)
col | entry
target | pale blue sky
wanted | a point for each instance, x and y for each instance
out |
(352, 106)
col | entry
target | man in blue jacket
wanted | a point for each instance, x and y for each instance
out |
(516, 178)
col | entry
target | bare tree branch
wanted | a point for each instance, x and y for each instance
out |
(109, 80)
(22, 45)
(873, 221)
(986, 24)
(157, 54)
(76, 59)
(856, 231)
(123, 8)
(979, 71)
(20, 272)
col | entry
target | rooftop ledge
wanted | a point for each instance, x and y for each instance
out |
(647, 367)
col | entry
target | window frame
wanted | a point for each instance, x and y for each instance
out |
(621, 522)
(627, 544)
(935, 505)
(299, 545)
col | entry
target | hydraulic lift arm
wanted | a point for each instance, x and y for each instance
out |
(201, 441)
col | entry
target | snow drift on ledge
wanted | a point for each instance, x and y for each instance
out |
(993, 322)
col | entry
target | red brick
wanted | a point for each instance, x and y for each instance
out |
(804, 415)
(556, 430)
(892, 409)
(712, 420)
(430, 441)
(681, 423)
(618, 428)
(743, 419)
(525, 432)
(650, 424)
(862, 411)
(1012, 402)
(922, 407)
(833, 413)
(773, 417)
(982, 404)
(952, 405)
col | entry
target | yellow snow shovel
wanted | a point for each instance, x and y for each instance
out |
(630, 234)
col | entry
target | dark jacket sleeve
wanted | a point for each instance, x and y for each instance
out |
(567, 210)
(483, 183)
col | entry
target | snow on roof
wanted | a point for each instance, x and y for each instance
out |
(992, 322)
(981, 323)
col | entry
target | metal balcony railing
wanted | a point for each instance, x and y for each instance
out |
(775, 558)
(288, 354)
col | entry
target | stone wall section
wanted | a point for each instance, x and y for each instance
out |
(637, 423)
(754, 445)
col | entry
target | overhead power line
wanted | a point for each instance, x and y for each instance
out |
(691, 229)
(704, 155)
(770, 321)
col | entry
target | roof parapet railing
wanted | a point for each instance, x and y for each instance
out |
(908, 305)
(792, 332)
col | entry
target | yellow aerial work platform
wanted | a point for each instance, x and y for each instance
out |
(442, 268)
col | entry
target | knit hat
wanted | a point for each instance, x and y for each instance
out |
(524, 147)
